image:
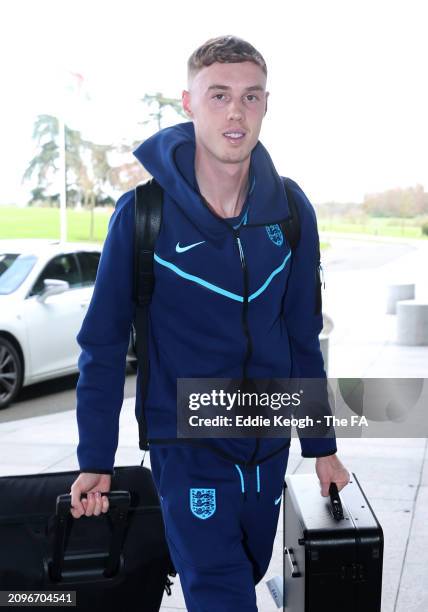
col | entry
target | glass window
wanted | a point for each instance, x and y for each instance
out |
(14, 269)
(61, 267)
(89, 265)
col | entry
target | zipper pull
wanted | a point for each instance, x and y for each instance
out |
(241, 252)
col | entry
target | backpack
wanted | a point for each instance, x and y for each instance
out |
(148, 219)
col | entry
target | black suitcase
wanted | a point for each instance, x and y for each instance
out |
(117, 560)
(333, 548)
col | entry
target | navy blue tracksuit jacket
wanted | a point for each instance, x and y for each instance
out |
(230, 300)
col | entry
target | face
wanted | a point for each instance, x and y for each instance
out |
(227, 103)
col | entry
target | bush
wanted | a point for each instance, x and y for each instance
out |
(424, 228)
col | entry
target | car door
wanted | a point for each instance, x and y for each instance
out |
(88, 264)
(52, 325)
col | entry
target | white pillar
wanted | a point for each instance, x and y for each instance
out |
(399, 292)
(62, 181)
(412, 323)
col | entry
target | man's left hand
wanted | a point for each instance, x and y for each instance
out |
(331, 469)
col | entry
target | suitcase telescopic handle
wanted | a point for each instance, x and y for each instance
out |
(119, 502)
(336, 504)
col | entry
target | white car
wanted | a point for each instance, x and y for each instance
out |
(45, 290)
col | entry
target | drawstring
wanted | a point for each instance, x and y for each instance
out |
(244, 493)
(242, 482)
(258, 482)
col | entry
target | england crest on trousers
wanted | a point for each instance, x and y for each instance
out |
(202, 502)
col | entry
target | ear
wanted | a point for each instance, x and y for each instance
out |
(185, 99)
(267, 96)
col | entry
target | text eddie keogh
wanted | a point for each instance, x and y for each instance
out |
(275, 401)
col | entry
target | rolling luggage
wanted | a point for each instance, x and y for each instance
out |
(333, 548)
(117, 560)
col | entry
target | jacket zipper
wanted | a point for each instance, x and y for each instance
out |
(235, 232)
(245, 304)
(245, 301)
(245, 318)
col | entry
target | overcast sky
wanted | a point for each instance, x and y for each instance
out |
(348, 84)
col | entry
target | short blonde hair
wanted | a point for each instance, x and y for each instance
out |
(226, 50)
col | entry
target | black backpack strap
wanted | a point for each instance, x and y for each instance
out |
(291, 230)
(291, 226)
(148, 218)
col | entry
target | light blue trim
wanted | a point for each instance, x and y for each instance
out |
(258, 479)
(229, 294)
(196, 279)
(242, 478)
(278, 500)
(267, 282)
(242, 221)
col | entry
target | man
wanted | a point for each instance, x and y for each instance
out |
(230, 300)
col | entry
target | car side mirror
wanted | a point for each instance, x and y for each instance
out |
(52, 286)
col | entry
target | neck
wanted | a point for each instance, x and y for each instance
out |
(223, 186)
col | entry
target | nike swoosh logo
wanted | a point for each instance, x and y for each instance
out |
(180, 249)
(278, 500)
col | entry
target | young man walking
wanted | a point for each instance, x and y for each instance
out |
(230, 300)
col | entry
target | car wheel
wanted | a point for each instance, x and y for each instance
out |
(10, 373)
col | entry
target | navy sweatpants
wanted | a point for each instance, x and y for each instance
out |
(220, 523)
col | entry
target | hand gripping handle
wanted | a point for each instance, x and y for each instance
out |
(119, 502)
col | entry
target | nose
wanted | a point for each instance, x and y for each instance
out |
(234, 112)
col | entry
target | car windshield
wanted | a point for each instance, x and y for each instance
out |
(14, 269)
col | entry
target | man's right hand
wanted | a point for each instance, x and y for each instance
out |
(94, 503)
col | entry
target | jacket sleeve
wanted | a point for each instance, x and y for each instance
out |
(303, 319)
(104, 339)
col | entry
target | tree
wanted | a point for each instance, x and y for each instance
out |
(161, 103)
(397, 202)
(45, 162)
(89, 172)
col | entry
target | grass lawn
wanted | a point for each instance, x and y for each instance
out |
(44, 223)
(376, 226)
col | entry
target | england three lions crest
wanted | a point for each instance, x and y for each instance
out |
(275, 234)
(202, 502)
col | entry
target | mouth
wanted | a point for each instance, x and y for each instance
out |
(234, 136)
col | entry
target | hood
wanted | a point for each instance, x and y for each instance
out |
(169, 156)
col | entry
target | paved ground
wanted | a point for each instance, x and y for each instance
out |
(392, 472)
(52, 396)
